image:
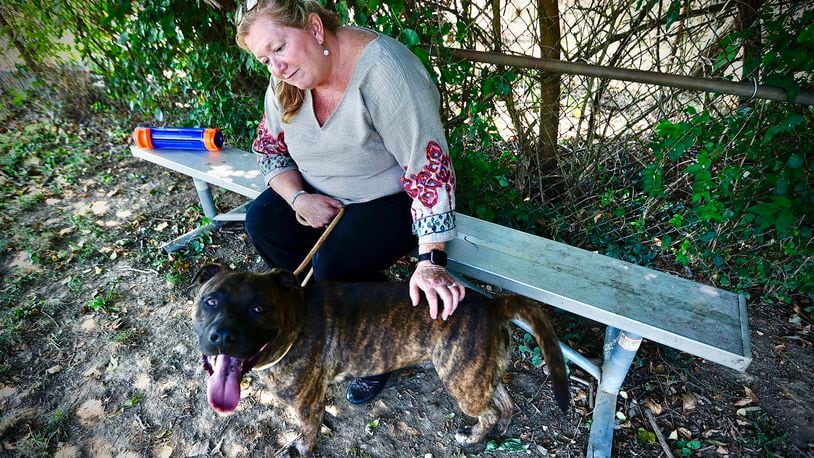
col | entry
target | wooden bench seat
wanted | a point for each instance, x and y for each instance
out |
(674, 311)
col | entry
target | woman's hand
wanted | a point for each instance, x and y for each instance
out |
(317, 210)
(436, 282)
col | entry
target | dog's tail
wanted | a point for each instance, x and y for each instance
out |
(530, 313)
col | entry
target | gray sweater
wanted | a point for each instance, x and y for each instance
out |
(384, 137)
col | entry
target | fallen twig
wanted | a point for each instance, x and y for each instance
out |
(138, 270)
(590, 389)
(52, 319)
(657, 430)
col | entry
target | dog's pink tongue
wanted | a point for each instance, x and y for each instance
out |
(223, 387)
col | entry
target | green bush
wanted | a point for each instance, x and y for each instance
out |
(739, 201)
(175, 61)
(733, 193)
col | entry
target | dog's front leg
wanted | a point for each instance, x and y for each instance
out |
(309, 410)
(305, 444)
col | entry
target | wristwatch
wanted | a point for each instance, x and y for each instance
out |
(436, 258)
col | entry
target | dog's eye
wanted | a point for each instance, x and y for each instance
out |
(211, 302)
(258, 309)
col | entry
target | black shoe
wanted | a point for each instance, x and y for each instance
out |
(363, 389)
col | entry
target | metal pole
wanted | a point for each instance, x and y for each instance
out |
(620, 349)
(205, 196)
(748, 89)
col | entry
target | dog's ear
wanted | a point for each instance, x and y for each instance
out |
(208, 271)
(283, 278)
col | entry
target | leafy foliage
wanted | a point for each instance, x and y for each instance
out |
(725, 195)
(175, 60)
(739, 199)
(167, 61)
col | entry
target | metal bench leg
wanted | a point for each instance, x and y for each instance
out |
(205, 196)
(619, 351)
(210, 211)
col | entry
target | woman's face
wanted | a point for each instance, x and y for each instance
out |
(291, 55)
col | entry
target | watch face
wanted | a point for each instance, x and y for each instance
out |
(438, 257)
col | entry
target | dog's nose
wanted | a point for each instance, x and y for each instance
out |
(221, 337)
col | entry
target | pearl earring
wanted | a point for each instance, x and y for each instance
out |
(325, 51)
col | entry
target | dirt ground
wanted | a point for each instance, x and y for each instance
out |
(99, 357)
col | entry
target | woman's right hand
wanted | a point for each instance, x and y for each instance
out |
(318, 210)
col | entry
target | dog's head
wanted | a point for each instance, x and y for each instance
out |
(239, 318)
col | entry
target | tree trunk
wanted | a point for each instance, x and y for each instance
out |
(549, 22)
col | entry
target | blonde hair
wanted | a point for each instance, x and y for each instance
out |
(288, 13)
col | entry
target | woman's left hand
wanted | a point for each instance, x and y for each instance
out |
(436, 283)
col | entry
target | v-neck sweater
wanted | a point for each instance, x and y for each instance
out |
(385, 136)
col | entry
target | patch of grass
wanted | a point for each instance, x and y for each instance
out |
(766, 435)
(82, 250)
(176, 267)
(74, 284)
(357, 452)
(38, 443)
(13, 315)
(179, 269)
(173, 278)
(19, 316)
(12, 290)
(36, 243)
(38, 152)
(9, 333)
(35, 445)
(134, 400)
(125, 337)
(103, 303)
(84, 225)
(27, 201)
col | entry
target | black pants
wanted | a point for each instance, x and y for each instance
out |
(369, 238)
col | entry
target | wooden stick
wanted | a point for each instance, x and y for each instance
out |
(657, 430)
(319, 243)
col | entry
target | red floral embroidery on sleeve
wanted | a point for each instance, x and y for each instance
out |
(424, 185)
(266, 143)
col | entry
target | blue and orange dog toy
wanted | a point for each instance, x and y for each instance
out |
(189, 138)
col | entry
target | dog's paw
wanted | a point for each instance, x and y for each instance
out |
(500, 428)
(294, 449)
(290, 451)
(464, 437)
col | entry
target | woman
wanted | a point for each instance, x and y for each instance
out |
(351, 120)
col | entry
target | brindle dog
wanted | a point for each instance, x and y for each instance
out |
(309, 337)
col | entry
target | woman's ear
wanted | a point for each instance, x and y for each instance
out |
(316, 27)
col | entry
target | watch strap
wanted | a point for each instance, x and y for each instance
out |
(436, 257)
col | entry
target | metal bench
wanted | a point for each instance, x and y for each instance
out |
(633, 301)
